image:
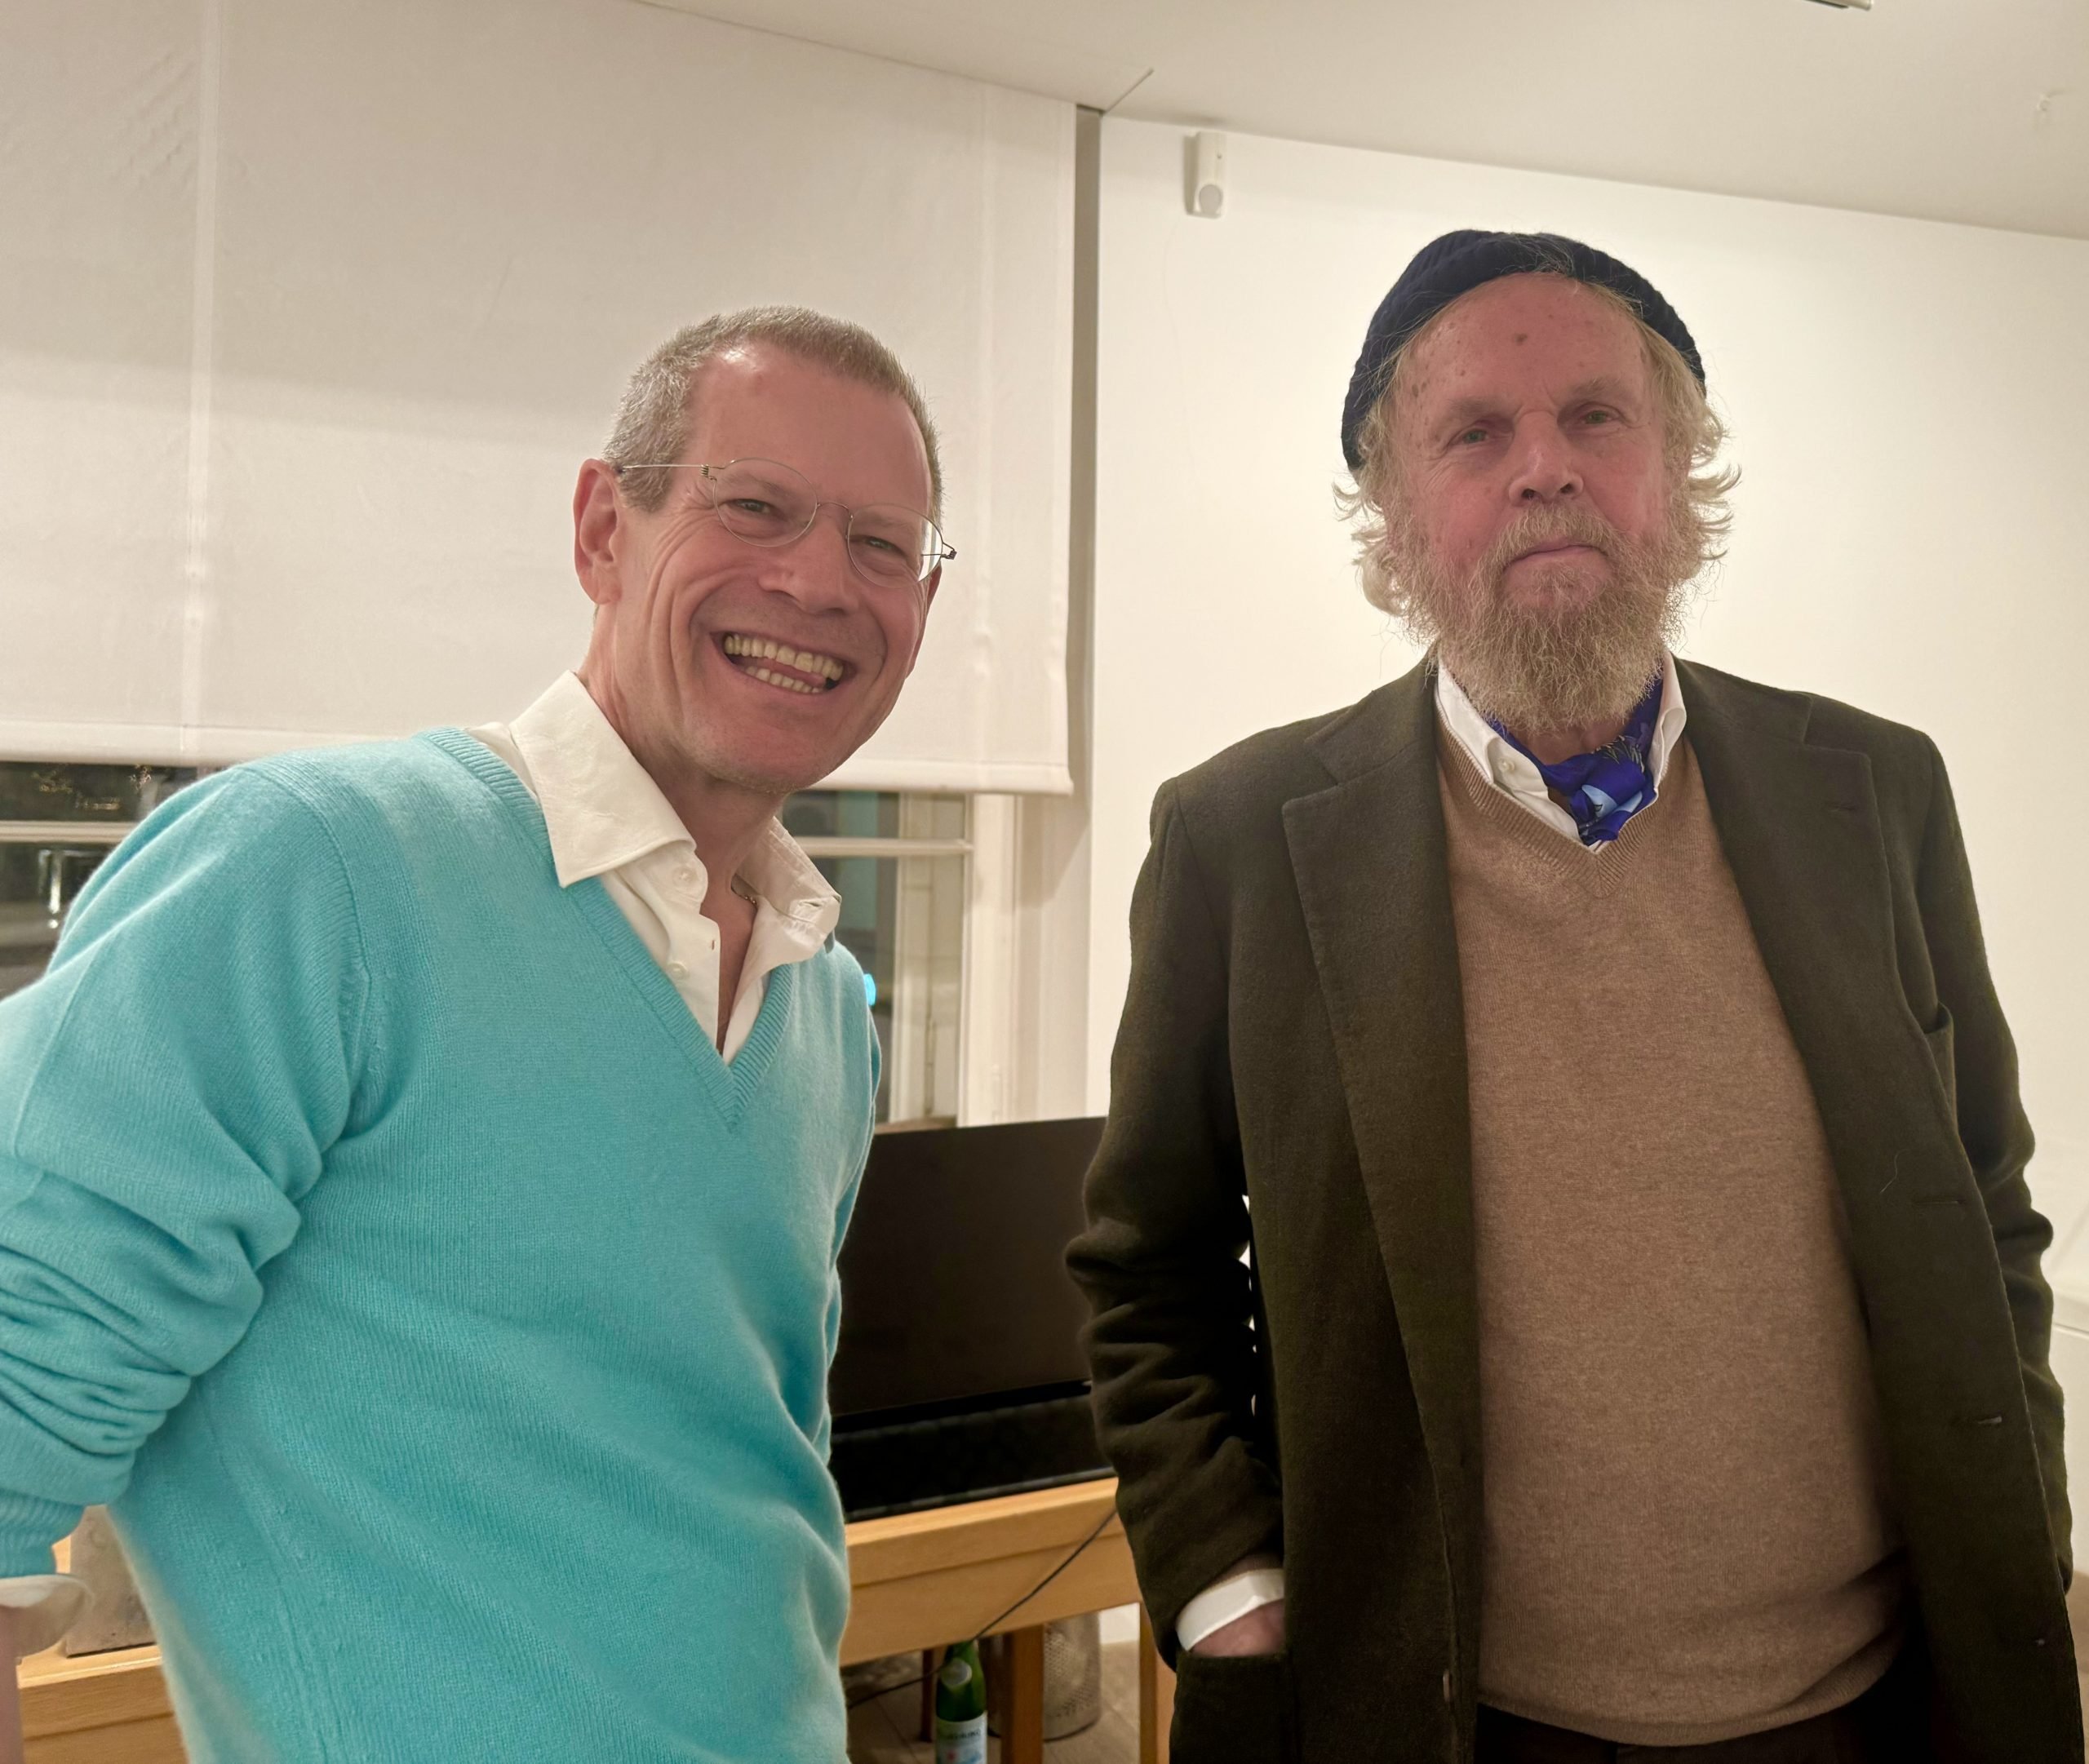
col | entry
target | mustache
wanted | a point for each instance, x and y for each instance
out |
(1560, 524)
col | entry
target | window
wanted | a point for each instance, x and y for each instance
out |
(57, 822)
(899, 864)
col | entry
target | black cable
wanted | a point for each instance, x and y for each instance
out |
(987, 1629)
(871, 1696)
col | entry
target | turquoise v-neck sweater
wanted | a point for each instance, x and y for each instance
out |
(446, 1323)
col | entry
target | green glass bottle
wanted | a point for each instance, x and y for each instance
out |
(961, 1707)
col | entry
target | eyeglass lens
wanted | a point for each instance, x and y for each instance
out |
(766, 502)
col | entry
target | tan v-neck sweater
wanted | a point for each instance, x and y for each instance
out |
(1688, 1534)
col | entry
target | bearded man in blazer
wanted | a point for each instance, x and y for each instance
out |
(1639, 1348)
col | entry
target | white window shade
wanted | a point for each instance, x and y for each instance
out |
(308, 314)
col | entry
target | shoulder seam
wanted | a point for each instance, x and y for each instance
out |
(1177, 814)
(318, 818)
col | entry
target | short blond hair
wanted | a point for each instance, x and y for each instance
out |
(1693, 431)
(652, 422)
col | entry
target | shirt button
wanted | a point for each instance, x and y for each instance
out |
(1447, 1686)
(686, 876)
(677, 970)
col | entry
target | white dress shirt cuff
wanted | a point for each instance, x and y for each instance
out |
(1230, 1598)
(45, 1605)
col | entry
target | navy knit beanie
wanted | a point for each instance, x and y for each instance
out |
(1458, 263)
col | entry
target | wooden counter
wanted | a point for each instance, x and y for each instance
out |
(921, 1580)
(101, 1708)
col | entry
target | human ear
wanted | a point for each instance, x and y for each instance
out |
(600, 529)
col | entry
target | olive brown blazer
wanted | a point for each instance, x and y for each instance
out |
(1292, 1042)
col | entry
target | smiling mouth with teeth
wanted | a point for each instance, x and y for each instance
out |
(808, 672)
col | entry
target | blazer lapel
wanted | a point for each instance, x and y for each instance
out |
(1801, 829)
(1368, 857)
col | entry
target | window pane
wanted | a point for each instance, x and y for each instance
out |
(872, 814)
(903, 920)
(39, 878)
(842, 814)
(870, 905)
(935, 817)
(28, 930)
(35, 791)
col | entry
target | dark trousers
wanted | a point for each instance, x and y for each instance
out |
(1889, 1724)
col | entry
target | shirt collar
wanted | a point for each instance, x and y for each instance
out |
(779, 871)
(601, 808)
(602, 811)
(1512, 771)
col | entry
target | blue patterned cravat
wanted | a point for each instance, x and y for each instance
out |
(1604, 789)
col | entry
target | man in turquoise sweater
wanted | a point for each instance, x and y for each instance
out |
(422, 1167)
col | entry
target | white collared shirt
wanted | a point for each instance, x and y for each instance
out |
(1518, 778)
(606, 818)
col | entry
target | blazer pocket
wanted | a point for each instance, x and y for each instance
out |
(1940, 1053)
(1232, 1709)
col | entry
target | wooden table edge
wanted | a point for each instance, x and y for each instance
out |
(62, 1694)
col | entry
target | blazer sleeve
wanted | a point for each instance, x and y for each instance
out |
(1172, 1341)
(1993, 1129)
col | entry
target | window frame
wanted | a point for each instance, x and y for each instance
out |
(959, 1027)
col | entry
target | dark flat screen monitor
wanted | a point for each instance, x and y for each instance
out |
(953, 1286)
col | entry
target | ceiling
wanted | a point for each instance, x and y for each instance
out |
(1963, 110)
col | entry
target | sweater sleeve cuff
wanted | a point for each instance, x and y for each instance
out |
(1229, 1599)
(45, 1605)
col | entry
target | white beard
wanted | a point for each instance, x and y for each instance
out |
(1548, 666)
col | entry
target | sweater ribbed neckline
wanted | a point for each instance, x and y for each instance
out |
(728, 1083)
(1521, 840)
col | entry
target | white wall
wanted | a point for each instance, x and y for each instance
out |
(1906, 399)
